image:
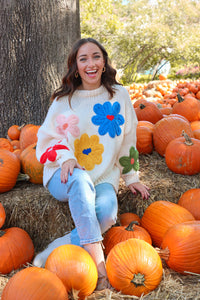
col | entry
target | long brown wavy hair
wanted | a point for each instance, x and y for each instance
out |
(70, 83)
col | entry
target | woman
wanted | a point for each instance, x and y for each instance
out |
(87, 141)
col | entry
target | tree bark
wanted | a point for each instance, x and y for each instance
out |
(36, 36)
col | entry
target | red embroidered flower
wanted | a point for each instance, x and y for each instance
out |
(51, 153)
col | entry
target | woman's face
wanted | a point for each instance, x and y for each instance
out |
(90, 63)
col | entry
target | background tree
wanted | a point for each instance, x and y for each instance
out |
(35, 39)
(145, 33)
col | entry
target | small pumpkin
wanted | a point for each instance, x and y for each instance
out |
(9, 170)
(182, 155)
(2, 215)
(75, 267)
(144, 142)
(191, 201)
(14, 132)
(180, 247)
(16, 249)
(134, 267)
(126, 218)
(160, 215)
(30, 165)
(118, 234)
(34, 283)
(148, 111)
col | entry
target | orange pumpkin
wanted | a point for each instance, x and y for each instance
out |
(148, 111)
(168, 129)
(144, 142)
(15, 144)
(14, 132)
(191, 201)
(146, 124)
(195, 125)
(2, 215)
(75, 267)
(196, 134)
(16, 249)
(160, 216)
(118, 234)
(134, 267)
(30, 165)
(6, 145)
(28, 135)
(188, 107)
(181, 247)
(126, 218)
(9, 170)
(182, 155)
(34, 284)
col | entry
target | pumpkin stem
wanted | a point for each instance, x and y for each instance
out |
(142, 106)
(2, 233)
(23, 177)
(163, 253)
(180, 99)
(130, 226)
(138, 279)
(188, 140)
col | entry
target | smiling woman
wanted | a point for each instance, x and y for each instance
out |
(87, 141)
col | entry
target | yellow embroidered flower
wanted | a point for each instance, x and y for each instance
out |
(88, 151)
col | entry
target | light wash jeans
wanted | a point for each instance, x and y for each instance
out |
(93, 208)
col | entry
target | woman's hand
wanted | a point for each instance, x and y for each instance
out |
(68, 168)
(141, 188)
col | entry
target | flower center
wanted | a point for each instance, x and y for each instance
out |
(132, 161)
(87, 151)
(110, 117)
(65, 126)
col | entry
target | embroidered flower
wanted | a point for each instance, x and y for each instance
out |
(108, 118)
(130, 162)
(88, 151)
(67, 125)
(51, 153)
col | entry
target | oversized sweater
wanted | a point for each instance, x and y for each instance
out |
(96, 131)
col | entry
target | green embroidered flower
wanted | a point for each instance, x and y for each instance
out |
(130, 162)
(88, 151)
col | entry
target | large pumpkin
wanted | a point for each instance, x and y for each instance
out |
(182, 155)
(9, 170)
(160, 215)
(30, 164)
(189, 107)
(127, 217)
(191, 201)
(118, 234)
(34, 284)
(134, 267)
(5, 144)
(168, 129)
(16, 249)
(144, 142)
(75, 267)
(181, 247)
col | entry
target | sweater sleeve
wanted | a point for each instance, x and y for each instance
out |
(128, 158)
(52, 147)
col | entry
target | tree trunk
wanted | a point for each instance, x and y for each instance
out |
(36, 36)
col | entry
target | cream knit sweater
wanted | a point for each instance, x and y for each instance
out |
(100, 133)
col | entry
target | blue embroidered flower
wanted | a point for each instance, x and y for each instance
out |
(108, 118)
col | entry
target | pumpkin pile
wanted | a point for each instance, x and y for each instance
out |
(134, 265)
(18, 156)
(175, 125)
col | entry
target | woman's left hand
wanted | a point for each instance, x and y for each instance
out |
(141, 188)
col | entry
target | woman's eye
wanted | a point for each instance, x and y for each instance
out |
(97, 56)
(83, 59)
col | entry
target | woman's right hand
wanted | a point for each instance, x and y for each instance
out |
(68, 168)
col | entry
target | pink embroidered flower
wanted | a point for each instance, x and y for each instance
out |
(67, 125)
(51, 153)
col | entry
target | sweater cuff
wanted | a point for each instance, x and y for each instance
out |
(131, 178)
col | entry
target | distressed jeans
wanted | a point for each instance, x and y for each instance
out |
(93, 208)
